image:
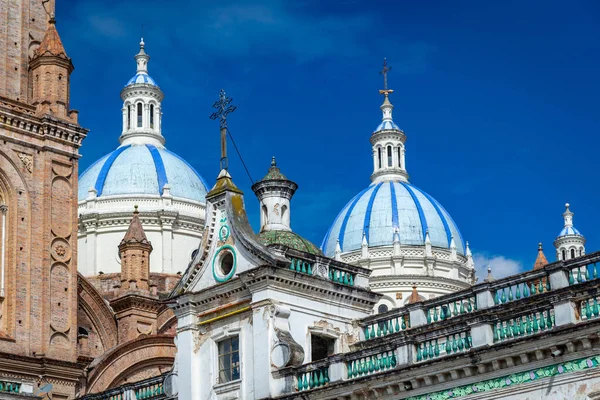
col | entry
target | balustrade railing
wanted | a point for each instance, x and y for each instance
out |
(451, 309)
(372, 364)
(315, 378)
(340, 276)
(443, 346)
(519, 290)
(10, 387)
(583, 273)
(387, 326)
(523, 325)
(589, 309)
(336, 275)
(302, 266)
(149, 391)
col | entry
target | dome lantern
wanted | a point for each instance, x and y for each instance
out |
(570, 243)
(142, 116)
(388, 141)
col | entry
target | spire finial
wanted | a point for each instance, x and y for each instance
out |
(273, 162)
(384, 72)
(135, 209)
(224, 108)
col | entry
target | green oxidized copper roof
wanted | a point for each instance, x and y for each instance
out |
(289, 239)
(274, 172)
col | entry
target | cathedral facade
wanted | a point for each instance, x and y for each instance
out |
(133, 280)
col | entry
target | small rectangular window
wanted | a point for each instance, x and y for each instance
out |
(229, 359)
(152, 116)
(389, 155)
(321, 347)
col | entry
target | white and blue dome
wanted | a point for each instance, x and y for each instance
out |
(142, 78)
(569, 230)
(387, 125)
(142, 170)
(388, 207)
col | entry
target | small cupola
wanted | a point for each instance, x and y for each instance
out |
(274, 193)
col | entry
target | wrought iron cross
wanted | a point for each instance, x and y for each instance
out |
(224, 108)
(384, 72)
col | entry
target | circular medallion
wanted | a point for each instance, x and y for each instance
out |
(224, 233)
(61, 250)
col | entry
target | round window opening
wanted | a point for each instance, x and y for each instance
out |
(226, 263)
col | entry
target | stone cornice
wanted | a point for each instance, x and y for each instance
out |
(21, 119)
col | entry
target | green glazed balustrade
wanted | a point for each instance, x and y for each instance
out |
(340, 276)
(302, 266)
(521, 290)
(313, 379)
(387, 327)
(371, 364)
(451, 344)
(582, 274)
(452, 309)
(524, 325)
(10, 387)
(590, 309)
(335, 275)
(149, 392)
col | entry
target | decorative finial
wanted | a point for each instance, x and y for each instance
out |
(540, 246)
(135, 209)
(384, 72)
(52, 19)
(142, 44)
(273, 162)
(224, 107)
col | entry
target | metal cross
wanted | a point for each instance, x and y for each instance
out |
(384, 72)
(224, 107)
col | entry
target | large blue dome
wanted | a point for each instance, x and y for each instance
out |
(387, 207)
(142, 169)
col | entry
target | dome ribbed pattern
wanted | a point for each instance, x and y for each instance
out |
(387, 207)
(139, 170)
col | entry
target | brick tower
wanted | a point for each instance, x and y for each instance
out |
(137, 305)
(39, 155)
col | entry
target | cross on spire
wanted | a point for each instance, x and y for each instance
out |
(224, 108)
(384, 72)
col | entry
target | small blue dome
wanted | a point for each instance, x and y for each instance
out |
(569, 230)
(387, 125)
(142, 169)
(387, 207)
(141, 78)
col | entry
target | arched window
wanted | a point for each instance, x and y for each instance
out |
(572, 253)
(152, 116)
(580, 252)
(139, 115)
(399, 157)
(283, 212)
(128, 117)
(379, 156)
(564, 255)
(389, 156)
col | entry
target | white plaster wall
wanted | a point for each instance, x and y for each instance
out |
(105, 258)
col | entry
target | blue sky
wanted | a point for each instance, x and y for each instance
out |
(499, 100)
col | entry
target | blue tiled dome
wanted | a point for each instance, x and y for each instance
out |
(142, 169)
(384, 208)
(569, 230)
(141, 78)
(387, 125)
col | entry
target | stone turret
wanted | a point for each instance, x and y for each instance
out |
(50, 70)
(135, 252)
